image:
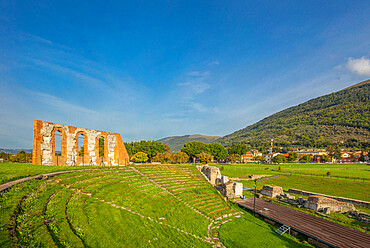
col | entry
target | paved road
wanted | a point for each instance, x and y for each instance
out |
(329, 232)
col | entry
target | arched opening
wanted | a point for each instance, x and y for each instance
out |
(81, 145)
(59, 146)
(57, 143)
(101, 147)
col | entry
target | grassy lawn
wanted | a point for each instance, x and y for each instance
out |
(148, 206)
(249, 231)
(333, 187)
(355, 189)
(340, 170)
(10, 172)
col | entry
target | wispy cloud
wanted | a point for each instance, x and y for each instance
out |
(359, 66)
(61, 105)
(198, 73)
(195, 87)
(214, 62)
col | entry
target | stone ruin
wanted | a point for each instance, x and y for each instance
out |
(272, 190)
(221, 183)
(328, 205)
(317, 203)
(212, 173)
(44, 146)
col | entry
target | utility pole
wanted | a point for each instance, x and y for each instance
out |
(254, 198)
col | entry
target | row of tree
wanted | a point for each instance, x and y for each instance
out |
(20, 157)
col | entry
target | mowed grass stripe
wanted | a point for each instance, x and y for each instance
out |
(58, 222)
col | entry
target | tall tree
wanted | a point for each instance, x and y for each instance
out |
(193, 148)
(151, 148)
(237, 148)
(234, 157)
(292, 157)
(179, 157)
(279, 159)
(218, 151)
(335, 152)
(204, 158)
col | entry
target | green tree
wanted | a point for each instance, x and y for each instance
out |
(140, 157)
(152, 148)
(234, 157)
(325, 158)
(218, 151)
(162, 157)
(81, 151)
(101, 147)
(260, 158)
(334, 152)
(179, 157)
(292, 157)
(204, 158)
(279, 159)
(305, 159)
(193, 148)
(237, 148)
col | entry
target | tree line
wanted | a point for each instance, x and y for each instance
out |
(20, 157)
(193, 151)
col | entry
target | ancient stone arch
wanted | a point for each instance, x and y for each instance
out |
(44, 146)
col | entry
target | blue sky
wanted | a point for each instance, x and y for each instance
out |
(151, 69)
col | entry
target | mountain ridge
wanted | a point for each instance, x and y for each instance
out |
(176, 142)
(331, 118)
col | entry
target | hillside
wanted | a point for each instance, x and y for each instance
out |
(14, 151)
(341, 117)
(176, 142)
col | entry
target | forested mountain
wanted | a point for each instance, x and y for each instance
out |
(176, 142)
(341, 118)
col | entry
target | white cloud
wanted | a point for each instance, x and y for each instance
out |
(198, 73)
(359, 66)
(195, 87)
(214, 63)
(60, 104)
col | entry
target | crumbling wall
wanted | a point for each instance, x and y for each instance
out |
(44, 146)
(212, 173)
(319, 203)
(221, 183)
(272, 190)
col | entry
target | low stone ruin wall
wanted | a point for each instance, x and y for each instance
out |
(320, 203)
(272, 191)
(227, 188)
(341, 199)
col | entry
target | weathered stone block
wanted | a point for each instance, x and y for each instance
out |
(319, 203)
(271, 190)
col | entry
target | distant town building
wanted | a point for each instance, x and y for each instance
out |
(247, 157)
(270, 156)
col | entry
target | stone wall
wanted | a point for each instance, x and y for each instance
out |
(221, 183)
(272, 191)
(320, 203)
(44, 146)
(341, 199)
(212, 173)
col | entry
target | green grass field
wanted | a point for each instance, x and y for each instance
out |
(10, 172)
(141, 206)
(340, 170)
(356, 189)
